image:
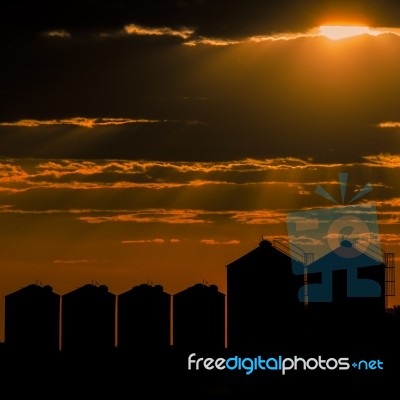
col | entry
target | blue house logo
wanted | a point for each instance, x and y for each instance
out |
(343, 237)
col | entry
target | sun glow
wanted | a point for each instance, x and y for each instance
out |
(336, 32)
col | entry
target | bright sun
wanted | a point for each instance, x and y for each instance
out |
(336, 32)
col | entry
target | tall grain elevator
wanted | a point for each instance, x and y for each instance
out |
(264, 311)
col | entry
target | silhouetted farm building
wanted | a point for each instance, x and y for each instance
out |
(263, 305)
(144, 315)
(269, 307)
(32, 318)
(88, 319)
(279, 299)
(199, 318)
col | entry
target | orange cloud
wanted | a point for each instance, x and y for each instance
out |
(59, 34)
(17, 176)
(134, 29)
(260, 217)
(285, 36)
(140, 241)
(389, 124)
(392, 203)
(152, 216)
(11, 172)
(388, 211)
(389, 219)
(216, 242)
(383, 160)
(306, 241)
(84, 261)
(389, 238)
(189, 36)
(212, 42)
(79, 121)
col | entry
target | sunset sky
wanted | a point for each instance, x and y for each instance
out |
(159, 140)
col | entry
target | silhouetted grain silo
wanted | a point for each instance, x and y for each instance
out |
(199, 318)
(32, 319)
(144, 315)
(264, 311)
(88, 319)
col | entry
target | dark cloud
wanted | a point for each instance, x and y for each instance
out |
(219, 18)
(308, 97)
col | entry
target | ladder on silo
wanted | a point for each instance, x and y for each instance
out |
(380, 255)
(390, 277)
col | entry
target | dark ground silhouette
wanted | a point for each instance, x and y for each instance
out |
(265, 319)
